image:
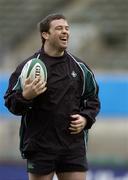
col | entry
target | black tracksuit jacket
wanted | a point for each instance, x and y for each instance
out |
(71, 89)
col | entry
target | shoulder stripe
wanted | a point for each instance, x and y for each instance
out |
(87, 69)
(84, 68)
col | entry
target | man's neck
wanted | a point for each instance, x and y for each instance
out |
(53, 52)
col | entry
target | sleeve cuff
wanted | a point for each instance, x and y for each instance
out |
(90, 121)
(23, 100)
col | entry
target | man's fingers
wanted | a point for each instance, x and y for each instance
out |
(41, 90)
(75, 122)
(76, 125)
(35, 81)
(75, 116)
(75, 130)
(40, 84)
(27, 81)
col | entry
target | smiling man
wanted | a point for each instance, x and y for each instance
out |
(56, 114)
(56, 38)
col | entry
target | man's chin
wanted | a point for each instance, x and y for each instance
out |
(62, 48)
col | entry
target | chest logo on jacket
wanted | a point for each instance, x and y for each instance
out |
(73, 73)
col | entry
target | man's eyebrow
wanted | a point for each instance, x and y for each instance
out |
(62, 26)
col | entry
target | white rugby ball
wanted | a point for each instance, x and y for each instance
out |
(32, 69)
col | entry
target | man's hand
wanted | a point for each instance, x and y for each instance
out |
(77, 124)
(33, 88)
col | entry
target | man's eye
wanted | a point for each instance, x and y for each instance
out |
(62, 28)
(67, 28)
(58, 28)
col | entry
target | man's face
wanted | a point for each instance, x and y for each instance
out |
(58, 34)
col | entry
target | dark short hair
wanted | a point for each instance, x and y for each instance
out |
(44, 24)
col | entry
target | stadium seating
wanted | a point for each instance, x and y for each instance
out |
(19, 18)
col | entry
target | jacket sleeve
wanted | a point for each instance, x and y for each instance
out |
(14, 100)
(90, 103)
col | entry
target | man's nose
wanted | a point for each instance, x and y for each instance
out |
(64, 30)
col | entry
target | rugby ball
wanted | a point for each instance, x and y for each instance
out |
(32, 69)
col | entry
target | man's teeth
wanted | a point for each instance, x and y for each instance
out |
(64, 39)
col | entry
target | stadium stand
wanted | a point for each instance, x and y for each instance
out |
(18, 19)
(109, 17)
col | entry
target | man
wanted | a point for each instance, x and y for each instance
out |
(56, 114)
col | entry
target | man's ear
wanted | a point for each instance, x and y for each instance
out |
(44, 35)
